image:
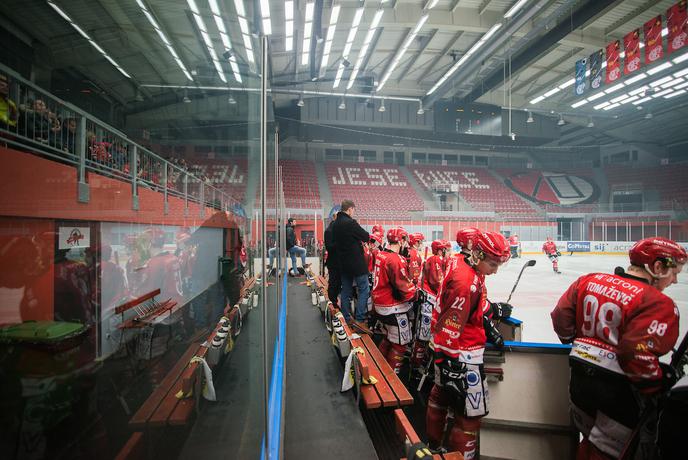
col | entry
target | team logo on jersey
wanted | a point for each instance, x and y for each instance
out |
(561, 189)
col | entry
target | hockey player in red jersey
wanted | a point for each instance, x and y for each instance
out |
(431, 280)
(620, 325)
(550, 249)
(513, 245)
(393, 296)
(414, 258)
(459, 342)
(162, 271)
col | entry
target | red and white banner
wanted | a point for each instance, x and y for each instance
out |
(653, 40)
(613, 61)
(677, 23)
(632, 50)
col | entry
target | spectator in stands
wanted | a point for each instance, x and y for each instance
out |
(69, 135)
(334, 281)
(293, 249)
(40, 124)
(348, 238)
(8, 109)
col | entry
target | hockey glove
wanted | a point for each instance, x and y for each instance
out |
(501, 310)
(558, 254)
(421, 296)
(453, 376)
(492, 334)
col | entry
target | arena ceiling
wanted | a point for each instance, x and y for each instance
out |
(423, 49)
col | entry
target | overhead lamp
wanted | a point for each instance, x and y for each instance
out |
(289, 25)
(514, 9)
(245, 32)
(530, 118)
(601, 106)
(382, 106)
(81, 32)
(537, 99)
(342, 105)
(616, 87)
(642, 101)
(231, 100)
(575, 105)
(567, 83)
(635, 79)
(265, 15)
(513, 136)
(681, 58)
(404, 47)
(648, 116)
(591, 124)
(186, 99)
(612, 106)
(366, 44)
(420, 111)
(675, 93)
(561, 121)
(659, 68)
(307, 33)
(300, 103)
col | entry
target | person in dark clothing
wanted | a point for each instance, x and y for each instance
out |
(334, 282)
(349, 238)
(293, 249)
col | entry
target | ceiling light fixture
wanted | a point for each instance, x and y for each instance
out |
(514, 9)
(530, 118)
(681, 58)
(465, 57)
(659, 68)
(366, 44)
(265, 15)
(590, 124)
(648, 116)
(231, 100)
(200, 23)
(561, 121)
(307, 33)
(301, 103)
(420, 110)
(90, 40)
(382, 106)
(245, 31)
(342, 105)
(186, 99)
(575, 105)
(226, 42)
(334, 15)
(289, 25)
(347, 46)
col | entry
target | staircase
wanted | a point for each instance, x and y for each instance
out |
(601, 180)
(325, 193)
(429, 201)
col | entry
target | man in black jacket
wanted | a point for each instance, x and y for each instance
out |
(334, 281)
(349, 238)
(292, 249)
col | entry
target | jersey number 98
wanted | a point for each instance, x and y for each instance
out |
(601, 321)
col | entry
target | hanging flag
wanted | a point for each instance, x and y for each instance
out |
(596, 69)
(653, 40)
(632, 50)
(579, 87)
(613, 61)
(677, 23)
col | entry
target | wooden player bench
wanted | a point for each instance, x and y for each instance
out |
(388, 390)
(407, 435)
(134, 448)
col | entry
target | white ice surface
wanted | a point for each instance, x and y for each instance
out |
(540, 289)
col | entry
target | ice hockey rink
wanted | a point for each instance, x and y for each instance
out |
(540, 289)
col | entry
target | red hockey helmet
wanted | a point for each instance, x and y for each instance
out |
(466, 237)
(416, 237)
(377, 237)
(377, 228)
(493, 245)
(647, 251)
(438, 245)
(396, 234)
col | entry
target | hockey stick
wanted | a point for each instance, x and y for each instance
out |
(676, 360)
(530, 263)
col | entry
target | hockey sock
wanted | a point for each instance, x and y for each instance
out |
(556, 265)
(463, 437)
(395, 356)
(436, 416)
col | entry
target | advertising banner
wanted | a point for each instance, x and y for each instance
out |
(596, 69)
(654, 49)
(613, 61)
(579, 87)
(677, 25)
(632, 49)
(578, 246)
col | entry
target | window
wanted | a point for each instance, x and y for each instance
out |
(466, 159)
(389, 157)
(481, 161)
(451, 159)
(418, 158)
(369, 156)
(350, 155)
(435, 159)
(333, 154)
